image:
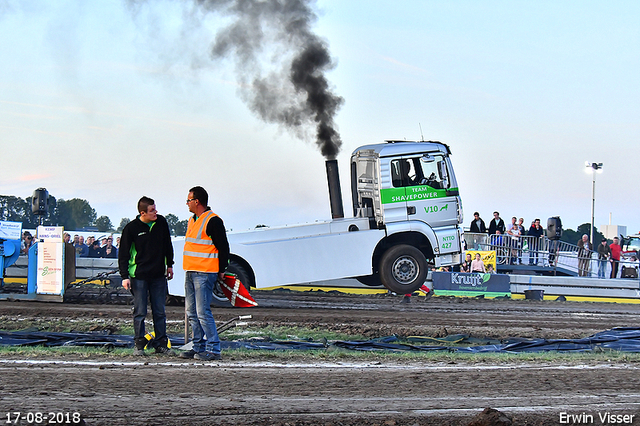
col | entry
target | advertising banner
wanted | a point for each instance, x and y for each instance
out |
(50, 234)
(10, 230)
(50, 272)
(488, 258)
(471, 285)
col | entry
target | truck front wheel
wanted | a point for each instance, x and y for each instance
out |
(403, 269)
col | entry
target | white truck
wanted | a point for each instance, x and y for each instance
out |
(407, 217)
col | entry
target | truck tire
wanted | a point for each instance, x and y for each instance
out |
(403, 269)
(219, 299)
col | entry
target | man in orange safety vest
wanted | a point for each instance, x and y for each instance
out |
(205, 258)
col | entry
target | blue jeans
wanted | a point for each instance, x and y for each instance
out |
(198, 290)
(602, 267)
(156, 291)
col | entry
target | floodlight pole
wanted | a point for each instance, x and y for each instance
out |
(594, 167)
(593, 205)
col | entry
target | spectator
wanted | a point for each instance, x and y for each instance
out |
(498, 244)
(94, 250)
(66, 237)
(82, 250)
(477, 224)
(514, 233)
(536, 232)
(603, 256)
(632, 268)
(614, 258)
(27, 242)
(109, 251)
(584, 255)
(496, 224)
(521, 242)
(478, 265)
(466, 265)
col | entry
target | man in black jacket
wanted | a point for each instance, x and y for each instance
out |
(145, 260)
(477, 224)
(496, 224)
(535, 244)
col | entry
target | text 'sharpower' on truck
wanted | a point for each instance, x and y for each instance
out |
(407, 217)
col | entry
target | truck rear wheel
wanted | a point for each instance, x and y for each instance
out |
(403, 269)
(219, 299)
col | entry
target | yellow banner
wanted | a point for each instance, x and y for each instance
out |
(488, 258)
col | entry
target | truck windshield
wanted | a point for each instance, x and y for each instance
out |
(413, 171)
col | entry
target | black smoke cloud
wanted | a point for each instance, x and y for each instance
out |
(295, 92)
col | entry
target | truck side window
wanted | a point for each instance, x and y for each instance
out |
(405, 172)
(396, 174)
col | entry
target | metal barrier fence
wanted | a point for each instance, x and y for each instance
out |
(546, 253)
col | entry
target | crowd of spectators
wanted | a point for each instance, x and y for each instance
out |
(93, 248)
(96, 248)
(507, 241)
(608, 253)
(510, 246)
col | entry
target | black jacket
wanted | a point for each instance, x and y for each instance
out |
(145, 252)
(495, 225)
(476, 229)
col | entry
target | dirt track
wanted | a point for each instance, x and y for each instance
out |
(271, 391)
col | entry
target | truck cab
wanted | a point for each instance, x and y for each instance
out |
(409, 187)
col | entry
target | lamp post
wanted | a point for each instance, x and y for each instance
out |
(595, 167)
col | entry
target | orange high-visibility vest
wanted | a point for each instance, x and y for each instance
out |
(200, 254)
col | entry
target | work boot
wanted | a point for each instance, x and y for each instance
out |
(188, 354)
(207, 356)
(163, 350)
(140, 343)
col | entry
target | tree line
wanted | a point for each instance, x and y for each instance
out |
(75, 214)
(572, 237)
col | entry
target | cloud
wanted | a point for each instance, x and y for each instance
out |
(33, 177)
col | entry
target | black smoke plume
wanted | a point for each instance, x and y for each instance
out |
(295, 93)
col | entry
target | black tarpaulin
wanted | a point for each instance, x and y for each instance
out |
(624, 339)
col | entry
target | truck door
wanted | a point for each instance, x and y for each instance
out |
(432, 191)
(424, 189)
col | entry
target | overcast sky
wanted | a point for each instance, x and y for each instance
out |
(108, 101)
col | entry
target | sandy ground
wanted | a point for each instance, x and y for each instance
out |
(273, 391)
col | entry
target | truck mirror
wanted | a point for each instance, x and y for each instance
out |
(442, 169)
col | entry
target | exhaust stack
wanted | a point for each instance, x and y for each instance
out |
(335, 193)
